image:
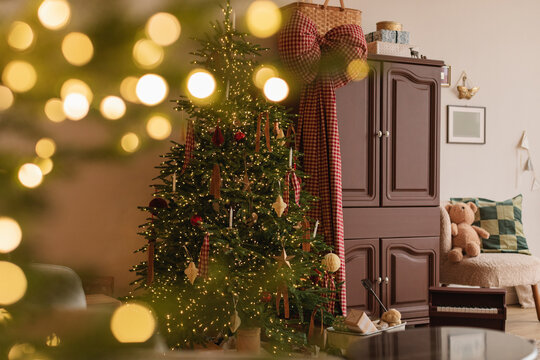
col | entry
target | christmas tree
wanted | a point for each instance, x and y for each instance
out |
(229, 241)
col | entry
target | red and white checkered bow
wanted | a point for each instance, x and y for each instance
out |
(321, 62)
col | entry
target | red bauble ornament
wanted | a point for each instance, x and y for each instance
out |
(266, 297)
(239, 136)
(155, 204)
(196, 220)
(217, 138)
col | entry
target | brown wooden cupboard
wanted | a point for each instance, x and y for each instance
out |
(389, 131)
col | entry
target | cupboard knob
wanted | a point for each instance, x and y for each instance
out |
(379, 133)
(379, 280)
(386, 280)
(387, 133)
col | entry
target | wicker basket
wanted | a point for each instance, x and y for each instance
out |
(386, 48)
(325, 17)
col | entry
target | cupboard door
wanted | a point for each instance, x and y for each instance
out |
(361, 262)
(410, 119)
(358, 112)
(409, 266)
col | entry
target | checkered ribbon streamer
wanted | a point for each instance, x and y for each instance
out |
(291, 178)
(203, 257)
(190, 145)
(321, 63)
(330, 284)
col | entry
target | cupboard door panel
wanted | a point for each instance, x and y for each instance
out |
(362, 262)
(410, 166)
(358, 111)
(411, 266)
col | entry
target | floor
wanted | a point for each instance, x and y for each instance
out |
(522, 322)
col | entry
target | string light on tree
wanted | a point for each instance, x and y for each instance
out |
(13, 285)
(263, 18)
(112, 107)
(158, 127)
(10, 235)
(77, 48)
(130, 142)
(276, 89)
(54, 14)
(133, 323)
(152, 89)
(163, 28)
(6, 98)
(76, 106)
(20, 36)
(201, 84)
(30, 175)
(19, 76)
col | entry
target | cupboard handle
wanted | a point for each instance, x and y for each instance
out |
(379, 280)
(387, 133)
(379, 134)
(386, 280)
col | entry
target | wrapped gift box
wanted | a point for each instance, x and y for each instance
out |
(386, 48)
(399, 37)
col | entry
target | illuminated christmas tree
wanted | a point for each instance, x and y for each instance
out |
(229, 243)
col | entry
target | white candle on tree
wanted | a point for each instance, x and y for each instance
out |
(316, 227)
(290, 158)
(230, 217)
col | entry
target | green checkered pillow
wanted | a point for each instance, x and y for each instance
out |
(502, 219)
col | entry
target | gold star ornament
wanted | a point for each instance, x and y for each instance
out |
(191, 272)
(279, 206)
(283, 259)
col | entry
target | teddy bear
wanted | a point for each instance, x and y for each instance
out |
(465, 236)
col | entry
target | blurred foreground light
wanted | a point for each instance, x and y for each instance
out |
(201, 84)
(128, 89)
(152, 89)
(52, 340)
(19, 76)
(10, 235)
(130, 142)
(133, 323)
(112, 107)
(21, 352)
(6, 98)
(77, 48)
(20, 36)
(276, 89)
(13, 284)
(163, 28)
(158, 127)
(45, 148)
(262, 74)
(147, 54)
(263, 18)
(76, 86)
(46, 165)
(30, 175)
(54, 110)
(358, 69)
(76, 106)
(5, 316)
(54, 14)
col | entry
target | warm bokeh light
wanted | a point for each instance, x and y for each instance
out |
(158, 127)
(276, 89)
(46, 165)
(6, 98)
(13, 284)
(45, 148)
(263, 18)
(52, 340)
(77, 48)
(30, 175)
(147, 54)
(76, 106)
(163, 28)
(5, 316)
(201, 84)
(358, 69)
(128, 89)
(76, 86)
(10, 235)
(151, 89)
(133, 323)
(130, 142)
(19, 76)
(21, 352)
(262, 74)
(20, 36)
(54, 14)
(112, 107)
(54, 110)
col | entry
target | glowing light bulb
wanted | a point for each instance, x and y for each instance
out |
(6, 98)
(30, 175)
(52, 340)
(54, 110)
(19, 76)
(262, 74)
(76, 106)
(76, 86)
(46, 165)
(54, 14)
(10, 235)
(45, 148)
(263, 18)
(276, 89)
(133, 323)
(158, 127)
(163, 28)
(151, 89)
(147, 54)
(77, 48)
(201, 84)
(20, 36)
(358, 69)
(128, 89)
(13, 285)
(112, 107)
(130, 142)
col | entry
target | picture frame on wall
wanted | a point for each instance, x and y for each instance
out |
(446, 74)
(466, 125)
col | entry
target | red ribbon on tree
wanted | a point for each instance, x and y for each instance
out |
(303, 51)
(291, 177)
(190, 145)
(203, 257)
